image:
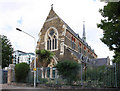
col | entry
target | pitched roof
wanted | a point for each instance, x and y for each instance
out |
(99, 61)
(92, 62)
(51, 14)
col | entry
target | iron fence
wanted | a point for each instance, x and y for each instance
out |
(89, 76)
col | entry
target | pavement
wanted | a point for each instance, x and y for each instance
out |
(6, 87)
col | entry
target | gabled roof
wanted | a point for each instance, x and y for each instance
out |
(52, 14)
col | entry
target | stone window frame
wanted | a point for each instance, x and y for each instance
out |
(52, 39)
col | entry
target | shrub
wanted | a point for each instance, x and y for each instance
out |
(42, 80)
(68, 70)
(21, 71)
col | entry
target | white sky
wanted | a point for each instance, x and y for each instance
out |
(29, 15)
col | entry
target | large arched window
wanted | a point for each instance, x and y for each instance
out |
(51, 39)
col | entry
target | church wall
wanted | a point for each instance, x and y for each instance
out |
(58, 25)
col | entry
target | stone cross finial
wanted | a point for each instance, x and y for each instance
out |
(51, 6)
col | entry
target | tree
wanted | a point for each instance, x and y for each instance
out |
(68, 70)
(44, 57)
(111, 27)
(7, 51)
(21, 71)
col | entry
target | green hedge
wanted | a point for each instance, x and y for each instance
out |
(21, 71)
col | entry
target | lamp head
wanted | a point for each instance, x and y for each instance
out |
(18, 29)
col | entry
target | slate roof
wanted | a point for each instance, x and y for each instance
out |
(99, 61)
(92, 62)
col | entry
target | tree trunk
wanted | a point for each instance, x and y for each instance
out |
(44, 69)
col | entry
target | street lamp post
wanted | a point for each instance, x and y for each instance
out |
(35, 55)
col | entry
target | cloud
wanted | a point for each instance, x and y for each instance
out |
(20, 21)
(29, 15)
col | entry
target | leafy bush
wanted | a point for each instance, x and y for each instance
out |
(43, 80)
(21, 71)
(68, 70)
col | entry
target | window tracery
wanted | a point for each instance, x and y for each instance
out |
(52, 40)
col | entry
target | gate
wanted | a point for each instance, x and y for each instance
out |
(4, 76)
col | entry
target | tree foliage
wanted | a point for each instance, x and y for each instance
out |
(21, 71)
(44, 57)
(68, 70)
(7, 51)
(111, 26)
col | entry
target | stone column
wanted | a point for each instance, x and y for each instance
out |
(46, 72)
(50, 72)
(9, 75)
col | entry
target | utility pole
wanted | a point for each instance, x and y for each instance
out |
(35, 55)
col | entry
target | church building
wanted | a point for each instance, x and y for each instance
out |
(58, 37)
